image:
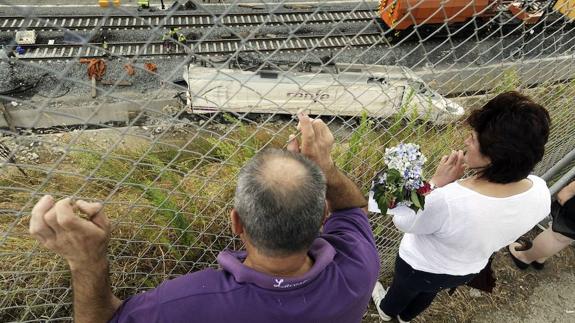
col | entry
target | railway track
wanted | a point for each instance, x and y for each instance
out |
(204, 47)
(124, 22)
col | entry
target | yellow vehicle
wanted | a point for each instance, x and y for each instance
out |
(106, 3)
(565, 7)
(144, 4)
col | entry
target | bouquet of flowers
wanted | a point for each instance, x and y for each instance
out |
(401, 181)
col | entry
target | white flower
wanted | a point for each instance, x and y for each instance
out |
(408, 160)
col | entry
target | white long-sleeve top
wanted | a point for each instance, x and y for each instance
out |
(459, 229)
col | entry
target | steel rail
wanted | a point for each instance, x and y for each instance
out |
(203, 47)
(124, 22)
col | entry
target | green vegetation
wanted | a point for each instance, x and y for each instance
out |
(509, 81)
(169, 202)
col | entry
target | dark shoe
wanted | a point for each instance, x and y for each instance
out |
(526, 246)
(538, 265)
(520, 264)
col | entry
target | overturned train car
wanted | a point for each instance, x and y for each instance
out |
(344, 90)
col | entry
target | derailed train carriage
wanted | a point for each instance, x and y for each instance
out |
(341, 89)
(431, 16)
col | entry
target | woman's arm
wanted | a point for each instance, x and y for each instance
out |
(430, 220)
(425, 221)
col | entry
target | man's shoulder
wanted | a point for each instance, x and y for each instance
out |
(176, 298)
(199, 283)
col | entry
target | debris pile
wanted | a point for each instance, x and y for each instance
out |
(96, 67)
(151, 67)
(129, 69)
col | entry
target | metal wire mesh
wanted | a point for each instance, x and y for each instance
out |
(163, 155)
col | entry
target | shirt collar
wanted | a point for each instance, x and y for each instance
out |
(231, 261)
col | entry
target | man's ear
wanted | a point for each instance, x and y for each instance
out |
(237, 226)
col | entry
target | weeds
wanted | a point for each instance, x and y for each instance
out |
(510, 81)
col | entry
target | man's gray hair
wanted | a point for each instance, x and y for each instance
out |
(281, 212)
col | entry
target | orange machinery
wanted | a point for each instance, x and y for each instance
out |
(106, 3)
(402, 14)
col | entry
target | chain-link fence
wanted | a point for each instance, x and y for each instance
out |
(153, 112)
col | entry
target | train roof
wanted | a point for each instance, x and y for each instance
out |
(347, 73)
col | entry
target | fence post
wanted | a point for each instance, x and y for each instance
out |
(564, 180)
(551, 172)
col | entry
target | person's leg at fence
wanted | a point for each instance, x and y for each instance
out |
(427, 286)
(391, 302)
(419, 304)
(398, 296)
(549, 242)
(412, 291)
(545, 245)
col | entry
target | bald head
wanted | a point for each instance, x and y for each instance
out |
(280, 199)
(282, 173)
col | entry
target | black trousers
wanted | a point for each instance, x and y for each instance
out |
(412, 291)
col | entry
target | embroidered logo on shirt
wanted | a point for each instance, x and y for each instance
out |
(279, 282)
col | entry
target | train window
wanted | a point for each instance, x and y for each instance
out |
(378, 80)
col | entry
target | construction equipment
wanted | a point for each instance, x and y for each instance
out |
(143, 4)
(401, 15)
(106, 3)
(566, 8)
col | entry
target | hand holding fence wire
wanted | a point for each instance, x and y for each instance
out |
(82, 242)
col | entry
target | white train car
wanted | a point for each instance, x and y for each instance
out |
(343, 89)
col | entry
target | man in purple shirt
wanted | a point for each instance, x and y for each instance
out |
(289, 272)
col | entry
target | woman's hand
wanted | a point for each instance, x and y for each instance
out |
(566, 193)
(450, 169)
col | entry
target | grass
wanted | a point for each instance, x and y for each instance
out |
(169, 202)
(169, 199)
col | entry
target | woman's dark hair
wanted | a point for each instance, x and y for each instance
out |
(512, 131)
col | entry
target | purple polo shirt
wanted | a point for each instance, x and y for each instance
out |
(336, 289)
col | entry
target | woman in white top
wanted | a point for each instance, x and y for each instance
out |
(466, 221)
